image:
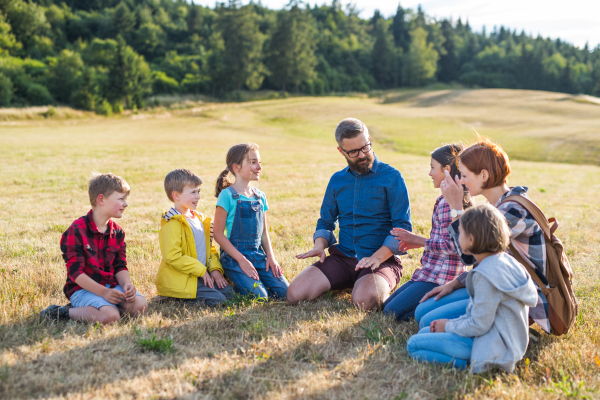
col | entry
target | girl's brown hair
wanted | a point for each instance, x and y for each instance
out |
(236, 155)
(485, 154)
(448, 155)
(488, 227)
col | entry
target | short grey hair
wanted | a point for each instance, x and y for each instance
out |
(349, 128)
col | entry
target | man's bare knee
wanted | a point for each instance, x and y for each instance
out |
(365, 301)
(370, 292)
(294, 293)
(308, 285)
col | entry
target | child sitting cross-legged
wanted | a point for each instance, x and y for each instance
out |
(93, 248)
(190, 268)
(440, 262)
(494, 331)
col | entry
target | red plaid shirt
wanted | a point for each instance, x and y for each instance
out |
(440, 261)
(87, 251)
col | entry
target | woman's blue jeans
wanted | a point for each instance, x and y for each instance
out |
(448, 307)
(440, 348)
(405, 299)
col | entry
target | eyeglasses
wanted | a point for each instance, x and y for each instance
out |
(354, 153)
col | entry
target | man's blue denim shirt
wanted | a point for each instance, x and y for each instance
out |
(367, 207)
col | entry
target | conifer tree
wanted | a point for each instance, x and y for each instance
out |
(383, 56)
(291, 51)
(129, 77)
(448, 63)
(400, 29)
(243, 43)
(420, 63)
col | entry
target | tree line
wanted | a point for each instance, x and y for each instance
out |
(108, 55)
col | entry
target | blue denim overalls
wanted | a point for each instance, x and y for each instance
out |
(246, 237)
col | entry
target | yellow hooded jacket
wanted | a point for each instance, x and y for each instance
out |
(179, 269)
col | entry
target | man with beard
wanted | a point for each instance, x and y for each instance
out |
(368, 198)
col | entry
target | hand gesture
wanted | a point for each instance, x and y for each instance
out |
(272, 262)
(315, 252)
(439, 325)
(452, 190)
(407, 240)
(248, 268)
(368, 262)
(208, 280)
(129, 291)
(219, 279)
(439, 292)
(114, 296)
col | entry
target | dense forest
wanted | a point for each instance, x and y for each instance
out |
(108, 55)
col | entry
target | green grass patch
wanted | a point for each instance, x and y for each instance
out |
(152, 343)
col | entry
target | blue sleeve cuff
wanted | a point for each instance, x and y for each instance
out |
(325, 234)
(392, 243)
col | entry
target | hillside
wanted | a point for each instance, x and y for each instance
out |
(322, 350)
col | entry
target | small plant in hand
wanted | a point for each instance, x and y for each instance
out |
(164, 346)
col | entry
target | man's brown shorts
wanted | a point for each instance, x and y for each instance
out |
(340, 270)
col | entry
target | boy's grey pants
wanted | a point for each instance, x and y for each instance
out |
(212, 297)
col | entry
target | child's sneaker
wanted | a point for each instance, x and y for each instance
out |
(56, 313)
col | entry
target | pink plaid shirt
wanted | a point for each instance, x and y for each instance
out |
(440, 261)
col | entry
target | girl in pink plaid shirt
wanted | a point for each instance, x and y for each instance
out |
(441, 262)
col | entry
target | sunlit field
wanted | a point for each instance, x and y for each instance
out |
(325, 349)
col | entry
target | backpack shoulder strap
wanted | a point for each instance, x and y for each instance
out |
(536, 213)
(526, 265)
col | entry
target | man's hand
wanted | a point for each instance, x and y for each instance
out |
(218, 278)
(129, 291)
(439, 325)
(248, 268)
(368, 262)
(208, 280)
(114, 296)
(442, 290)
(275, 267)
(315, 252)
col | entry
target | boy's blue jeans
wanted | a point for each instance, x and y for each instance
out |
(448, 307)
(440, 348)
(405, 299)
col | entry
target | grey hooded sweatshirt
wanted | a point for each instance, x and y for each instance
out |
(501, 292)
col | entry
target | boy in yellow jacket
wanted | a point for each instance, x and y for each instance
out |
(190, 268)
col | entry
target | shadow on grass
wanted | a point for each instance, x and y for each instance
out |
(232, 353)
(64, 359)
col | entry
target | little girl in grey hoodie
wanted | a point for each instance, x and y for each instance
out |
(494, 331)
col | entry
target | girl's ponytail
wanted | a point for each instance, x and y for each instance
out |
(235, 155)
(223, 182)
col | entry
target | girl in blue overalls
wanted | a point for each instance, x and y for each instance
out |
(240, 227)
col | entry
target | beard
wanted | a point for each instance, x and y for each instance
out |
(361, 165)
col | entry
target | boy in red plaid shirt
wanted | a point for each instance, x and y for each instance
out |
(93, 248)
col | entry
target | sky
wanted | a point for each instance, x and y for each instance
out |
(573, 21)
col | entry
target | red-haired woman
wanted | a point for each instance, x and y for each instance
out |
(484, 169)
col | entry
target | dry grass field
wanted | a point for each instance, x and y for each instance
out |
(321, 350)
